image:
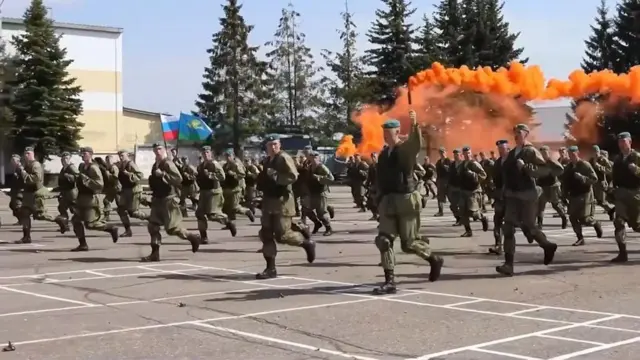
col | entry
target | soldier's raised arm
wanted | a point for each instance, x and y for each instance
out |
(555, 168)
(607, 166)
(410, 148)
(325, 176)
(419, 171)
(287, 173)
(72, 173)
(478, 169)
(36, 176)
(218, 172)
(535, 165)
(240, 170)
(589, 173)
(93, 180)
(634, 166)
(135, 175)
(170, 173)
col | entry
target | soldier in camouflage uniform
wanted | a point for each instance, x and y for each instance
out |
(471, 175)
(498, 196)
(251, 174)
(370, 185)
(278, 210)
(442, 180)
(67, 186)
(577, 181)
(317, 182)
(111, 185)
(603, 167)
(418, 173)
(453, 186)
(429, 177)
(357, 176)
(400, 203)
(165, 178)
(17, 188)
(232, 188)
(89, 213)
(128, 200)
(563, 159)
(189, 189)
(487, 184)
(551, 188)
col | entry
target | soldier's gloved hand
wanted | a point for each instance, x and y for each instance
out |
(579, 176)
(412, 116)
(158, 173)
(633, 167)
(231, 173)
(272, 172)
(205, 172)
(520, 163)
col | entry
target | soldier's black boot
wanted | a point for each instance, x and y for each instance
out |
(127, 231)
(302, 229)
(424, 202)
(26, 237)
(154, 256)
(389, 286)
(549, 252)
(579, 242)
(485, 223)
(309, 247)
(331, 211)
(270, 271)
(506, 269)
(611, 213)
(231, 226)
(622, 254)
(113, 231)
(250, 215)
(328, 231)
(539, 222)
(440, 210)
(63, 223)
(597, 226)
(195, 242)
(564, 221)
(317, 225)
(184, 212)
(457, 223)
(435, 262)
(497, 248)
(204, 238)
(467, 231)
(82, 245)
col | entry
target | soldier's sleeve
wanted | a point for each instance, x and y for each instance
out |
(136, 175)
(589, 173)
(535, 165)
(71, 173)
(218, 172)
(115, 171)
(326, 177)
(36, 176)
(171, 174)
(240, 170)
(607, 166)
(93, 180)
(410, 148)
(478, 169)
(287, 172)
(555, 168)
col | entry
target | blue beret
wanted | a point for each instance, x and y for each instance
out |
(272, 137)
(158, 145)
(66, 153)
(88, 149)
(573, 148)
(501, 142)
(229, 152)
(456, 151)
(466, 148)
(596, 148)
(206, 148)
(28, 148)
(442, 149)
(391, 124)
(624, 135)
(562, 148)
(16, 156)
(522, 127)
(544, 148)
(308, 147)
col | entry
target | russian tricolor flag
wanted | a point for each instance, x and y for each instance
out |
(170, 127)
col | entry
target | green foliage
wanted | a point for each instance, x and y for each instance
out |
(7, 78)
(45, 100)
(427, 48)
(626, 36)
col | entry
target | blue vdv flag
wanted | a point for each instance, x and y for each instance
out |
(193, 128)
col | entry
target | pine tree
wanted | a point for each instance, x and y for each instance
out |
(46, 101)
(498, 45)
(7, 78)
(234, 81)
(448, 22)
(346, 90)
(392, 36)
(296, 86)
(427, 50)
(626, 35)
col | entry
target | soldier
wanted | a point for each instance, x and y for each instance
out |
(578, 180)
(492, 155)
(232, 188)
(609, 191)
(521, 167)
(278, 210)
(251, 175)
(498, 197)
(399, 203)
(603, 167)
(442, 180)
(189, 189)
(487, 184)
(563, 159)
(34, 197)
(209, 177)
(471, 175)
(300, 196)
(17, 188)
(453, 186)
(89, 211)
(165, 205)
(370, 185)
(67, 186)
(429, 177)
(626, 187)
(111, 185)
(551, 188)
(318, 179)
(418, 173)
(175, 158)
(357, 175)
(128, 200)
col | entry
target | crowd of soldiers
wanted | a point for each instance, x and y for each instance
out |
(517, 180)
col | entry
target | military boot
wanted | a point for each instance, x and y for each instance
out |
(26, 237)
(440, 210)
(549, 252)
(204, 238)
(622, 254)
(485, 223)
(539, 222)
(424, 202)
(113, 231)
(231, 226)
(317, 225)
(309, 247)
(497, 248)
(435, 262)
(467, 231)
(184, 212)
(597, 227)
(63, 223)
(389, 286)
(578, 230)
(270, 271)
(250, 215)
(127, 231)
(154, 256)
(82, 241)
(195, 242)
(611, 213)
(564, 221)
(331, 211)
(506, 268)
(457, 223)
(304, 230)
(328, 231)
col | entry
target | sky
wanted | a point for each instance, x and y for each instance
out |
(165, 41)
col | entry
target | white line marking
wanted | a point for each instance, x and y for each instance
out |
(571, 339)
(46, 296)
(533, 309)
(463, 303)
(597, 348)
(285, 342)
(512, 338)
(79, 271)
(97, 273)
(500, 353)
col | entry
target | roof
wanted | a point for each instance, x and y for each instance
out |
(62, 25)
(551, 119)
(141, 112)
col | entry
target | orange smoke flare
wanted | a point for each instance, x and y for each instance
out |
(346, 147)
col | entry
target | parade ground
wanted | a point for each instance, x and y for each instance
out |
(105, 304)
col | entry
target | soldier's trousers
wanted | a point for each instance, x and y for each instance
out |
(210, 209)
(581, 212)
(469, 206)
(15, 204)
(231, 205)
(66, 203)
(165, 212)
(188, 192)
(372, 202)
(454, 200)
(600, 194)
(498, 220)
(89, 215)
(431, 188)
(33, 206)
(316, 209)
(521, 209)
(357, 192)
(276, 228)
(627, 203)
(399, 219)
(442, 194)
(109, 198)
(552, 195)
(250, 196)
(128, 202)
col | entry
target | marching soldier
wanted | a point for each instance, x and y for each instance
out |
(429, 177)
(418, 173)
(89, 211)
(67, 186)
(165, 205)
(578, 180)
(299, 190)
(370, 185)
(189, 189)
(17, 188)
(498, 196)
(471, 175)
(34, 196)
(232, 188)
(603, 167)
(278, 209)
(453, 186)
(442, 180)
(251, 175)
(399, 203)
(551, 188)
(357, 175)
(128, 200)
(626, 183)
(487, 184)
(318, 179)
(522, 166)
(210, 176)
(111, 185)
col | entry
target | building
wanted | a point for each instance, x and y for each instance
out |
(551, 130)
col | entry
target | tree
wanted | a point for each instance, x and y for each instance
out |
(599, 50)
(295, 84)
(626, 36)
(448, 21)
(234, 83)
(392, 37)
(46, 102)
(345, 88)
(495, 43)
(427, 50)
(7, 78)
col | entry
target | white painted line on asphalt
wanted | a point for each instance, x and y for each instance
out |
(571, 339)
(537, 308)
(463, 303)
(32, 276)
(512, 338)
(286, 342)
(97, 273)
(500, 353)
(597, 348)
(46, 296)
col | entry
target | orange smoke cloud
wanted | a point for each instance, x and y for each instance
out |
(346, 147)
